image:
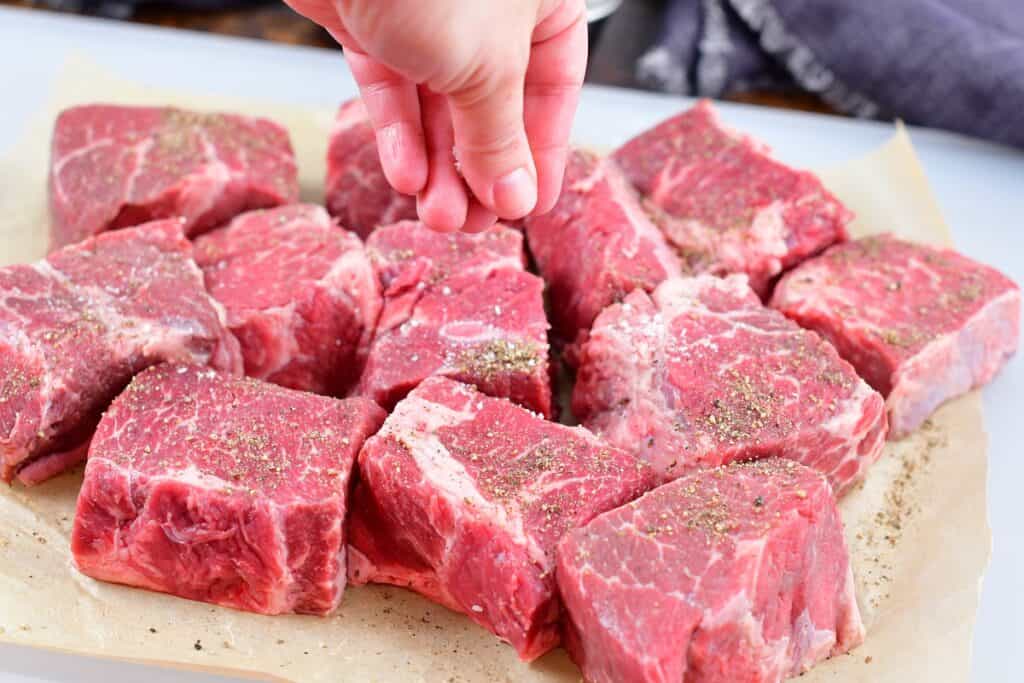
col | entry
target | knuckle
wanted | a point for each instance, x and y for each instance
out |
(551, 90)
(498, 144)
(484, 75)
(550, 148)
(377, 86)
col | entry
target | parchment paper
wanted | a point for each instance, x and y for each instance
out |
(917, 530)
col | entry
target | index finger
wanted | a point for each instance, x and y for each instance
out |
(393, 106)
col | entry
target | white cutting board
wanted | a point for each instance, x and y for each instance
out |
(980, 187)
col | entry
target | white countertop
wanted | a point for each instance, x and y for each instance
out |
(980, 187)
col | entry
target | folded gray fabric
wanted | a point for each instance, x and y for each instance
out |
(956, 64)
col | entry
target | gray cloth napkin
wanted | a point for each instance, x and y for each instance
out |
(956, 64)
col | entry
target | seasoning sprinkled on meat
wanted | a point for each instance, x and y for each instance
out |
(920, 324)
(463, 498)
(76, 326)
(700, 373)
(500, 357)
(737, 572)
(461, 306)
(118, 166)
(730, 207)
(235, 496)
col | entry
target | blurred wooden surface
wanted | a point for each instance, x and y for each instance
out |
(614, 51)
(271, 21)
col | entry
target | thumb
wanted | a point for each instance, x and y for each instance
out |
(490, 140)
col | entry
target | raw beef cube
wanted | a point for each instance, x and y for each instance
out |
(700, 373)
(737, 209)
(117, 166)
(458, 305)
(463, 498)
(408, 250)
(596, 246)
(76, 326)
(230, 491)
(300, 293)
(737, 573)
(922, 325)
(358, 194)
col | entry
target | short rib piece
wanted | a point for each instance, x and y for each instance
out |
(300, 293)
(462, 497)
(118, 166)
(922, 325)
(736, 573)
(736, 209)
(230, 491)
(461, 306)
(596, 246)
(700, 373)
(76, 326)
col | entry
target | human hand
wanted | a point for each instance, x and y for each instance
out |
(496, 80)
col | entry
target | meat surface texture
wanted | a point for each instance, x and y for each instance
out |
(300, 294)
(458, 305)
(700, 373)
(227, 490)
(737, 573)
(76, 326)
(597, 245)
(922, 325)
(118, 166)
(463, 498)
(358, 193)
(736, 209)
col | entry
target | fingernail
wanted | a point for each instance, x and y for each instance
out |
(515, 194)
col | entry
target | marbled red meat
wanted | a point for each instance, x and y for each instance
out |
(117, 166)
(921, 324)
(462, 497)
(735, 209)
(230, 491)
(700, 373)
(300, 294)
(458, 305)
(76, 326)
(737, 573)
(596, 246)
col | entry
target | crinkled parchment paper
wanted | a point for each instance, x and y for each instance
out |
(917, 530)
